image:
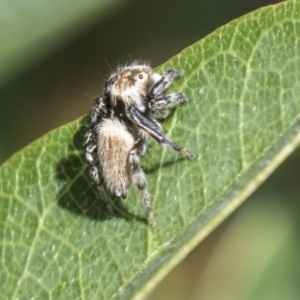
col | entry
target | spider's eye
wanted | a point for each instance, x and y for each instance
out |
(141, 76)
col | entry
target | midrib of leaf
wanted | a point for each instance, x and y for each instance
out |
(123, 257)
(218, 218)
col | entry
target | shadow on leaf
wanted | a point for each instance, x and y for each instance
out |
(79, 195)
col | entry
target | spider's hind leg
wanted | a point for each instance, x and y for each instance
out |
(139, 178)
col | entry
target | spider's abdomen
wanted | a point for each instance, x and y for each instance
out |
(114, 146)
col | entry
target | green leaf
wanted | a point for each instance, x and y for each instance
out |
(242, 121)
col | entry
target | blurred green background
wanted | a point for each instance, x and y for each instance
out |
(255, 253)
(59, 86)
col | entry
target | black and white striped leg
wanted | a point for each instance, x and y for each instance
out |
(90, 149)
(159, 105)
(139, 179)
(164, 82)
(154, 131)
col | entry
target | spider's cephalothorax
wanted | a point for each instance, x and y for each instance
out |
(119, 124)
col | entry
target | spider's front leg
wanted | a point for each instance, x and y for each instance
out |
(163, 82)
(154, 130)
(159, 106)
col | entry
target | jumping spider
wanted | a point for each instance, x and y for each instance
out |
(120, 122)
